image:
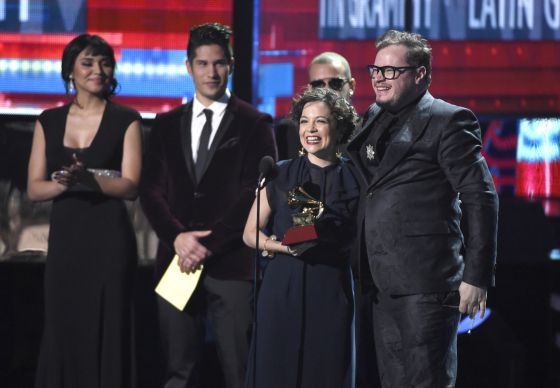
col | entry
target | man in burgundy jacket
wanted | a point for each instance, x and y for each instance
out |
(198, 184)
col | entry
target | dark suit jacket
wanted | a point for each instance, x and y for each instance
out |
(411, 207)
(174, 202)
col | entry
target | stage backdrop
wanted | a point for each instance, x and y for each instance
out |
(495, 56)
(149, 38)
(498, 57)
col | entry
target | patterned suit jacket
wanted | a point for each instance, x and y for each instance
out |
(431, 183)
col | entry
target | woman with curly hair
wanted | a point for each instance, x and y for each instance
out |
(304, 335)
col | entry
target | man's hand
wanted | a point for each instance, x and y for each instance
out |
(473, 299)
(190, 251)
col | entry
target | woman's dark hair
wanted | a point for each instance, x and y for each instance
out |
(95, 45)
(342, 111)
(208, 34)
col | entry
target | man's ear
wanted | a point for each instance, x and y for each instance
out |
(188, 66)
(420, 74)
(352, 84)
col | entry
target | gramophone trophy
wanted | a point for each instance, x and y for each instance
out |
(303, 228)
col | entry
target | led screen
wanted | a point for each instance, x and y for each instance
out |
(149, 38)
(523, 155)
(494, 56)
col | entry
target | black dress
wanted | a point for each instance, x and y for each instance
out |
(304, 336)
(87, 339)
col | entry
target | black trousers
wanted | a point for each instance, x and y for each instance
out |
(416, 339)
(367, 375)
(227, 304)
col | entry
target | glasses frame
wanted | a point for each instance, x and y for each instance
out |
(397, 69)
(328, 84)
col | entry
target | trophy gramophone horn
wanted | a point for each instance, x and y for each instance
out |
(299, 197)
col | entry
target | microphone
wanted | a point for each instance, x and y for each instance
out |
(267, 169)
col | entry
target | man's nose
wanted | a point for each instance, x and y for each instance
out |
(379, 76)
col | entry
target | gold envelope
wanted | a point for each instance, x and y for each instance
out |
(177, 287)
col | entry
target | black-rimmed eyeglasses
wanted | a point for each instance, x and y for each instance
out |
(335, 84)
(388, 72)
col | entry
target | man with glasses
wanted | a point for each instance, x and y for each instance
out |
(421, 168)
(332, 70)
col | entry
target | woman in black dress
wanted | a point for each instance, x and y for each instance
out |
(86, 158)
(304, 336)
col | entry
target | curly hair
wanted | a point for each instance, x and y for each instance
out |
(341, 109)
(96, 45)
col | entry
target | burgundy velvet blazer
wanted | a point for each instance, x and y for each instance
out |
(175, 202)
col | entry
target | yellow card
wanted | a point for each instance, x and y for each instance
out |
(177, 287)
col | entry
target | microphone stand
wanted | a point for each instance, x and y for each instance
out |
(266, 167)
(260, 186)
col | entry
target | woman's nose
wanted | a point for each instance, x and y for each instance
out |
(98, 68)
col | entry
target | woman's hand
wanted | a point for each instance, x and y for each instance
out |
(62, 177)
(299, 249)
(77, 173)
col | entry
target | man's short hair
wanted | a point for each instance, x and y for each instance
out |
(209, 34)
(419, 52)
(329, 57)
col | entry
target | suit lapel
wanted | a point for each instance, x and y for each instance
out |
(222, 129)
(354, 146)
(372, 117)
(405, 138)
(185, 131)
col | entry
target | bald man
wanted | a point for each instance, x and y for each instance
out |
(332, 70)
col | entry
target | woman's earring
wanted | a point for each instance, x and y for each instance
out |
(71, 85)
(302, 152)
